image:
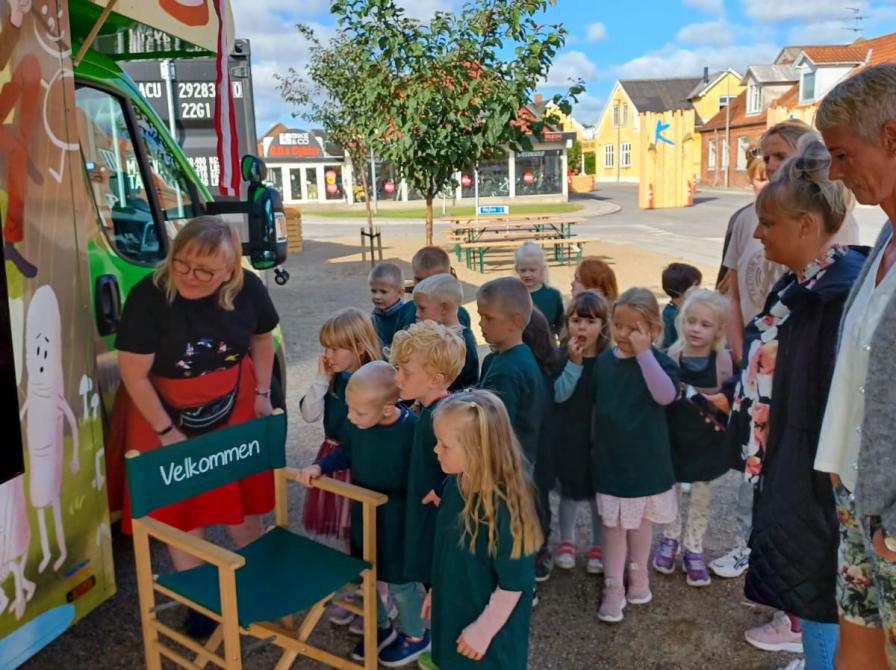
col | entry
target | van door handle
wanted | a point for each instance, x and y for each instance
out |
(107, 301)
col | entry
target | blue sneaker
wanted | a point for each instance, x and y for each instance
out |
(384, 637)
(404, 650)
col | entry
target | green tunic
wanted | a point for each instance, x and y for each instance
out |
(464, 582)
(670, 335)
(469, 375)
(632, 456)
(380, 459)
(388, 324)
(335, 409)
(571, 440)
(420, 520)
(549, 301)
(409, 316)
(515, 377)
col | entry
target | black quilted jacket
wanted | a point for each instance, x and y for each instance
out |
(793, 563)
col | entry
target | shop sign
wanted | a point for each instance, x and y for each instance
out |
(488, 210)
(389, 187)
(466, 181)
(528, 178)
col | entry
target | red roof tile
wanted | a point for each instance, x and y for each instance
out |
(853, 53)
(737, 116)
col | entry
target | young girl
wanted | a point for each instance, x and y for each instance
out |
(531, 267)
(698, 439)
(632, 465)
(349, 341)
(592, 274)
(486, 539)
(587, 335)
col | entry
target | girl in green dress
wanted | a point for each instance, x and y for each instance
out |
(487, 535)
(531, 266)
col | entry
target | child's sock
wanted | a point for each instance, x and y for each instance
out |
(595, 522)
(615, 551)
(640, 541)
(567, 517)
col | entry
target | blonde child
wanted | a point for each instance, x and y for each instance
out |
(427, 262)
(587, 335)
(386, 289)
(592, 274)
(698, 438)
(438, 298)
(632, 465)
(486, 539)
(377, 447)
(427, 356)
(677, 278)
(349, 341)
(531, 267)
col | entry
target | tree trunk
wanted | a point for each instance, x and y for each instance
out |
(428, 220)
(365, 186)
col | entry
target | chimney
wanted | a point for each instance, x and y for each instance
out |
(705, 75)
(539, 98)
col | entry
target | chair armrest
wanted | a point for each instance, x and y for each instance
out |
(195, 546)
(350, 491)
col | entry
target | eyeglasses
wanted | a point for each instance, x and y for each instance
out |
(200, 274)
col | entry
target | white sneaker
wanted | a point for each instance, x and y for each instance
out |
(733, 564)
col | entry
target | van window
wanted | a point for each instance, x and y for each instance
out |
(116, 179)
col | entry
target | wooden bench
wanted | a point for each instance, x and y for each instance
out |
(564, 249)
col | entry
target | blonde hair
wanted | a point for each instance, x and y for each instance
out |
(529, 251)
(790, 131)
(801, 185)
(595, 274)
(756, 167)
(352, 329)
(509, 295)
(712, 300)
(442, 288)
(387, 273)
(495, 472)
(441, 350)
(644, 302)
(864, 102)
(376, 378)
(204, 236)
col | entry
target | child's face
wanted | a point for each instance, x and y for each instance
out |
(531, 274)
(414, 381)
(339, 360)
(700, 326)
(625, 321)
(451, 455)
(365, 410)
(383, 295)
(497, 327)
(576, 285)
(428, 309)
(584, 329)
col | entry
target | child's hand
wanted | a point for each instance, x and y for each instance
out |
(640, 338)
(719, 401)
(323, 367)
(467, 651)
(431, 498)
(308, 475)
(575, 350)
(426, 610)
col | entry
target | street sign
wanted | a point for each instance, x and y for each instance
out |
(485, 210)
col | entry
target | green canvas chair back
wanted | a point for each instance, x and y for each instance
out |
(171, 474)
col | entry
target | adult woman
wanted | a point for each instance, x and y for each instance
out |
(758, 180)
(196, 335)
(858, 122)
(790, 345)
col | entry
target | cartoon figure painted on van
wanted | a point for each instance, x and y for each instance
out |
(15, 538)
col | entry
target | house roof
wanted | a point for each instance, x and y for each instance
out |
(660, 95)
(704, 85)
(736, 116)
(883, 49)
(772, 74)
(830, 55)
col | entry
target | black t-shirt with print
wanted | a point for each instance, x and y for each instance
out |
(193, 337)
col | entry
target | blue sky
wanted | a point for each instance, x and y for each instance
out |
(627, 39)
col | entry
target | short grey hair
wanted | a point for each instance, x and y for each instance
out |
(864, 103)
(443, 288)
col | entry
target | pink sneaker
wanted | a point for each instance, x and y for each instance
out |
(612, 603)
(595, 565)
(776, 635)
(565, 555)
(638, 585)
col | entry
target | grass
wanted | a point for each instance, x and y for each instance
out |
(420, 212)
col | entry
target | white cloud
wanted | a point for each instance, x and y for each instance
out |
(708, 6)
(587, 110)
(821, 32)
(708, 33)
(569, 65)
(596, 32)
(673, 61)
(773, 11)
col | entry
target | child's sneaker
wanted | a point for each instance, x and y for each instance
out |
(693, 565)
(404, 650)
(638, 592)
(565, 555)
(384, 637)
(733, 564)
(340, 616)
(776, 635)
(595, 565)
(612, 602)
(425, 662)
(544, 563)
(664, 558)
(356, 627)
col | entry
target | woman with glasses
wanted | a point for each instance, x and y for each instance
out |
(196, 352)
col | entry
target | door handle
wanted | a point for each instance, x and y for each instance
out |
(107, 301)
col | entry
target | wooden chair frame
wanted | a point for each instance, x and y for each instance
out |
(227, 562)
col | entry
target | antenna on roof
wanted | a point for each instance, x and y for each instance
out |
(857, 18)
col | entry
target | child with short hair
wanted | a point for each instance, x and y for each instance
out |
(486, 539)
(377, 448)
(587, 335)
(427, 356)
(427, 262)
(531, 267)
(697, 434)
(632, 459)
(438, 298)
(677, 279)
(511, 370)
(592, 274)
(349, 341)
(386, 289)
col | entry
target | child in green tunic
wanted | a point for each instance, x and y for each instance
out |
(632, 459)
(427, 262)
(377, 447)
(428, 356)
(511, 371)
(438, 299)
(531, 267)
(677, 278)
(486, 539)
(386, 289)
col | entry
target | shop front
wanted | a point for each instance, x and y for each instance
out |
(305, 168)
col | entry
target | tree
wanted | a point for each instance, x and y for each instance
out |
(574, 156)
(446, 93)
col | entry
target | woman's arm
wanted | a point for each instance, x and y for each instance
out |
(135, 377)
(261, 348)
(477, 637)
(735, 331)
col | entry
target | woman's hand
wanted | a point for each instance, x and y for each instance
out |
(575, 350)
(881, 549)
(719, 401)
(308, 475)
(173, 436)
(640, 338)
(263, 406)
(426, 610)
(467, 651)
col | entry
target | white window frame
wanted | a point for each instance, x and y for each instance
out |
(804, 98)
(624, 114)
(609, 155)
(743, 143)
(711, 155)
(616, 109)
(754, 98)
(625, 155)
(725, 100)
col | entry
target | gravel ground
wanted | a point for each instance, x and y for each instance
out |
(683, 628)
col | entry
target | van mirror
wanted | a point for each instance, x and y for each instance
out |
(267, 222)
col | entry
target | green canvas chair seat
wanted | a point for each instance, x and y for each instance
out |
(284, 574)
